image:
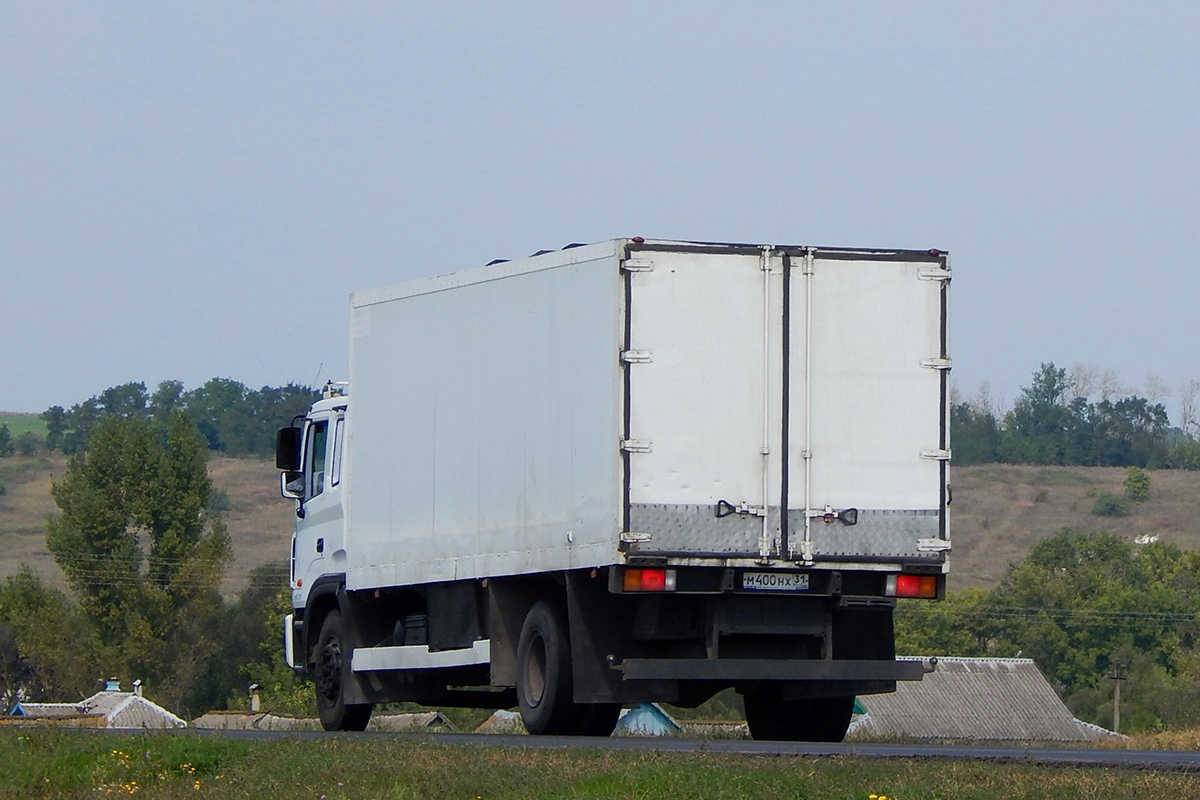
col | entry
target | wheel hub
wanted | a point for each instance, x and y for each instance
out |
(329, 671)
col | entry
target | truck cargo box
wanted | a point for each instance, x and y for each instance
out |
(680, 403)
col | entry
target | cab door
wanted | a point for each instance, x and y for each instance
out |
(320, 527)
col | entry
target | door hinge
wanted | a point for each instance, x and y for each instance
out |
(637, 265)
(933, 545)
(933, 274)
(936, 455)
(634, 537)
(636, 356)
(936, 363)
(636, 445)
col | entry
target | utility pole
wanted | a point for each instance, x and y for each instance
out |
(1117, 675)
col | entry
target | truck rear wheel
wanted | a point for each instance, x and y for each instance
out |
(596, 719)
(545, 689)
(331, 673)
(809, 719)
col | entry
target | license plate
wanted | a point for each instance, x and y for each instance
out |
(777, 581)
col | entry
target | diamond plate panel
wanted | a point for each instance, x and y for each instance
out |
(878, 533)
(697, 529)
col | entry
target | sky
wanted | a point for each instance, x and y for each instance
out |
(193, 190)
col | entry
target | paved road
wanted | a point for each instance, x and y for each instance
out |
(1166, 760)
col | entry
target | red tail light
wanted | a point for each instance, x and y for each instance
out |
(649, 580)
(922, 586)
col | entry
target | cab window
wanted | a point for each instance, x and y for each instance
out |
(318, 435)
(339, 435)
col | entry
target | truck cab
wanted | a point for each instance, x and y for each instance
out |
(311, 456)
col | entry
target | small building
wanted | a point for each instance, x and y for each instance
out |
(111, 708)
(983, 699)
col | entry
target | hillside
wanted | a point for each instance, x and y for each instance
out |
(259, 520)
(998, 513)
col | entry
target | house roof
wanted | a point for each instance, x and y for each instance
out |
(119, 710)
(994, 699)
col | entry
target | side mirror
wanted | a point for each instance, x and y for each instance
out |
(287, 448)
(291, 485)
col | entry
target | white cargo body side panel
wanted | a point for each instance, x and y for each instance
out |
(484, 422)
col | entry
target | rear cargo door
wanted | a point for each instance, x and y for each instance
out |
(703, 369)
(867, 378)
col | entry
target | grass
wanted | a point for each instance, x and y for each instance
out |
(23, 423)
(50, 763)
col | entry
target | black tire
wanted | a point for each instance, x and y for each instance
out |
(331, 674)
(810, 719)
(596, 719)
(545, 692)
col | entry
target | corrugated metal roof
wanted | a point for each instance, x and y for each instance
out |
(119, 709)
(1001, 699)
(46, 710)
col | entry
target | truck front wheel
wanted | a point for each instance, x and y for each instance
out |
(810, 719)
(332, 669)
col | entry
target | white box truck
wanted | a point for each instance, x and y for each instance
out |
(625, 472)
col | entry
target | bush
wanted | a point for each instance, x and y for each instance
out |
(29, 443)
(1137, 485)
(1109, 505)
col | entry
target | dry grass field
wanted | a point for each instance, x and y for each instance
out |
(998, 513)
(259, 520)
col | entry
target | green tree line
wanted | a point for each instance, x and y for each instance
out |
(1053, 421)
(1088, 608)
(231, 417)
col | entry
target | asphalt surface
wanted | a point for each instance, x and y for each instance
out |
(1159, 760)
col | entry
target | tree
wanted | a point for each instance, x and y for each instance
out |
(167, 397)
(1080, 598)
(55, 419)
(232, 418)
(1037, 428)
(139, 551)
(6, 442)
(961, 625)
(47, 647)
(259, 614)
(1189, 403)
(208, 404)
(976, 435)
